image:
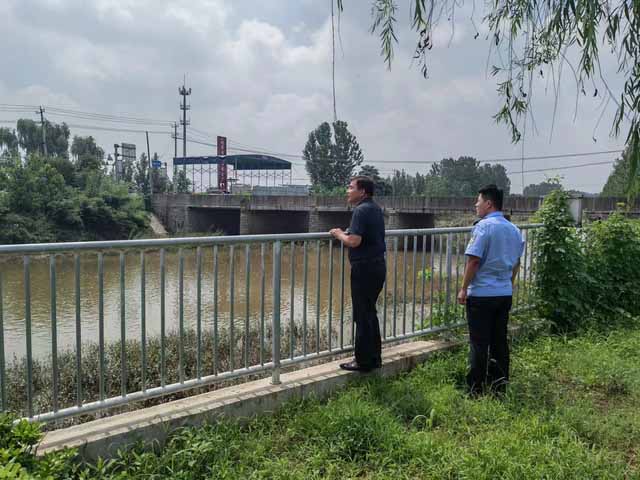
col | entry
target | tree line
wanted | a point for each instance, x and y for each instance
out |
(332, 156)
(69, 195)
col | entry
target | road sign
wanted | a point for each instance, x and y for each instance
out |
(156, 163)
(222, 146)
(129, 151)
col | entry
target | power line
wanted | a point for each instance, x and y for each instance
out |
(86, 115)
(115, 129)
(430, 162)
(567, 167)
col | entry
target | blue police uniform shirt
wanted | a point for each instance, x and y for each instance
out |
(499, 245)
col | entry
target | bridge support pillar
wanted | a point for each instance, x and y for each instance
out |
(258, 222)
(325, 220)
(395, 220)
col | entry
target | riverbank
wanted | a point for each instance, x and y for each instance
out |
(571, 412)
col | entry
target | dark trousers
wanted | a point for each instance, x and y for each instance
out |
(367, 279)
(489, 351)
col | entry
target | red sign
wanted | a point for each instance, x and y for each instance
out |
(222, 176)
(222, 146)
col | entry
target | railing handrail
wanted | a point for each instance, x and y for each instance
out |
(30, 248)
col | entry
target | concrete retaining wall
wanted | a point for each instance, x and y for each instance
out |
(102, 438)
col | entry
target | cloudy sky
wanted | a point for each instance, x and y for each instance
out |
(260, 73)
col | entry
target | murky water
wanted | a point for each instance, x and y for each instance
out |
(239, 302)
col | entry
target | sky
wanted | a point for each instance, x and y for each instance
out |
(261, 75)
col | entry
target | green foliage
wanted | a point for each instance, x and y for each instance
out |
(571, 412)
(407, 185)
(18, 440)
(611, 250)
(39, 203)
(87, 154)
(537, 39)
(560, 264)
(543, 188)
(8, 143)
(382, 186)
(451, 177)
(30, 137)
(619, 179)
(331, 159)
(182, 184)
(463, 177)
(584, 278)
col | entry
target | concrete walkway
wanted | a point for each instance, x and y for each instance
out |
(103, 437)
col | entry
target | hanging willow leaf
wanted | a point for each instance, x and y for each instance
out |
(535, 35)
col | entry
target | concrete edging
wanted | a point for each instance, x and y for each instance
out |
(103, 437)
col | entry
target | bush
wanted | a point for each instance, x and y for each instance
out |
(584, 277)
(559, 264)
(18, 440)
(612, 248)
(39, 202)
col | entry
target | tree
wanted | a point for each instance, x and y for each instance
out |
(30, 137)
(542, 189)
(495, 174)
(86, 153)
(536, 38)
(618, 180)
(161, 183)
(181, 182)
(331, 162)
(8, 143)
(463, 177)
(38, 205)
(382, 186)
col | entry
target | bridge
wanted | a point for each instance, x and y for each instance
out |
(252, 215)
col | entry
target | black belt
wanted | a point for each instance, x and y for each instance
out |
(358, 261)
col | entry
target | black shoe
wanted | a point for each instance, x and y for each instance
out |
(354, 367)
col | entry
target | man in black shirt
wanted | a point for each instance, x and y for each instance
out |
(365, 239)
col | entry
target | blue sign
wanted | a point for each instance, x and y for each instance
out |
(156, 163)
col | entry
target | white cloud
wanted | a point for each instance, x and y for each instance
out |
(261, 74)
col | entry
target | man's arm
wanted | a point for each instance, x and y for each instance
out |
(349, 240)
(514, 273)
(470, 270)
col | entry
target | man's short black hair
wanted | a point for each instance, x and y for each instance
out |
(364, 183)
(493, 193)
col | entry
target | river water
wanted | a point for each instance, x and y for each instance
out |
(318, 277)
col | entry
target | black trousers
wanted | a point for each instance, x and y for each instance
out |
(367, 279)
(489, 351)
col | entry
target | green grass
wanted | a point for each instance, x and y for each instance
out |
(571, 412)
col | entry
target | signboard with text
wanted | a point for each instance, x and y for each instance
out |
(222, 146)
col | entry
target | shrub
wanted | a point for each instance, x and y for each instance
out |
(612, 249)
(584, 277)
(559, 265)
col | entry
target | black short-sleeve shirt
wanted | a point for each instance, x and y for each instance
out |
(367, 221)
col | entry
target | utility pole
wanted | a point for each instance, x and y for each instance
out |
(115, 161)
(175, 139)
(184, 107)
(149, 166)
(44, 131)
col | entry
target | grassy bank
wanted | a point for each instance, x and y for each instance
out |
(571, 412)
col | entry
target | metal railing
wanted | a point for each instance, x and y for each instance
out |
(124, 321)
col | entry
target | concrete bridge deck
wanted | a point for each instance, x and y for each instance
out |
(240, 214)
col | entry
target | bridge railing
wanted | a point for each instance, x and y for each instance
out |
(89, 326)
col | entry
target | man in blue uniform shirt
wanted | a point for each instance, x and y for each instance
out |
(365, 239)
(493, 259)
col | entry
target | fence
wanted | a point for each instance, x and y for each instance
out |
(95, 325)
